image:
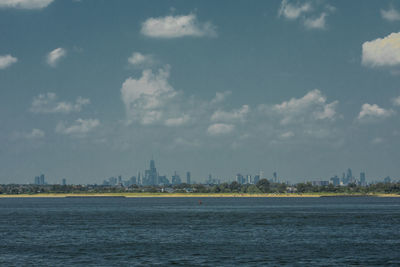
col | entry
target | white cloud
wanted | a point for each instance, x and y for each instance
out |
(6, 61)
(55, 56)
(220, 97)
(316, 23)
(177, 121)
(148, 99)
(47, 103)
(220, 129)
(373, 112)
(286, 135)
(391, 14)
(396, 101)
(79, 128)
(177, 26)
(377, 141)
(35, 134)
(382, 51)
(312, 106)
(291, 11)
(139, 59)
(234, 115)
(25, 4)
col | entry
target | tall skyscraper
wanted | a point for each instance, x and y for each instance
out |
(64, 181)
(176, 179)
(151, 175)
(188, 178)
(362, 179)
(42, 181)
(275, 177)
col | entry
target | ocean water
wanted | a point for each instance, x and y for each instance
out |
(219, 232)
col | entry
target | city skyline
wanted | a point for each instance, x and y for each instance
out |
(221, 87)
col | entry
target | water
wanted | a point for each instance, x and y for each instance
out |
(220, 232)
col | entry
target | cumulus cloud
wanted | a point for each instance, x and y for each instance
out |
(396, 101)
(231, 116)
(220, 97)
(177, 26)
(47, 103)
(141, 60)
(316, 23)
(54, 57)
(6, 61)
(220, 129)
(293, 11)
(25, 4)
(35, 134)
(177, 121)
(382, 52)
(391, 14)
(286, 135)
(79, 128)
(312, 106)
(150, 99)
(373, 112)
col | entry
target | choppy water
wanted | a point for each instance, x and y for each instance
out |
(220, 232)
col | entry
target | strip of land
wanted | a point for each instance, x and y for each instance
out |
(138, 195)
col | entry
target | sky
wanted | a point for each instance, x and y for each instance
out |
(92, 89)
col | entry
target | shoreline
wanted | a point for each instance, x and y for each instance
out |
(190, 195)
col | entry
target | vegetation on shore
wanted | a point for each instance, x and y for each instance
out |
(263, 188)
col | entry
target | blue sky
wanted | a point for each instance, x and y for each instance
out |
(92, 89)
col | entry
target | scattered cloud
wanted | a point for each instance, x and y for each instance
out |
(47, 103)
(177, 26)
(6, 61)
(312, 16)
(220, 129)
(150, 99)
(25, 4)
(177, 121)
(231, 116)
(316, 23)
(312, 106)
(79, 128)
(286, 135)
(54, 57)
(391, 14)
(35, 134)
(220, 97)
(377, 141)
(141, 60)
(396, 101)
(373, 112)
(382, 52)
(293, 11)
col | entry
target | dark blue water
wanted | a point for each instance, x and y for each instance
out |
(220, 232)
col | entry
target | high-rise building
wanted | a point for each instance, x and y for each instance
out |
(363, 182)
(275, 177)
(176, 179)
(335, 180)
(42, 181)
(188, 178)
(37, 180)
(256, 179)
(151, 175)
(64, 181)
(239, 178)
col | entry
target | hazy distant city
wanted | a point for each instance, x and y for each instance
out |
(152, 177)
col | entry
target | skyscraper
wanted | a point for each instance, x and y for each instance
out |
(188, 178)
(151, 176)
(64, 181)
(362, 179)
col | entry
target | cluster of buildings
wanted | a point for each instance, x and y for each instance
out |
(149, 177)
(152, 177)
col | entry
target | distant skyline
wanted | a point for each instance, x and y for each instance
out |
(92, 89)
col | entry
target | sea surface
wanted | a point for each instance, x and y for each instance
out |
(330, 231)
